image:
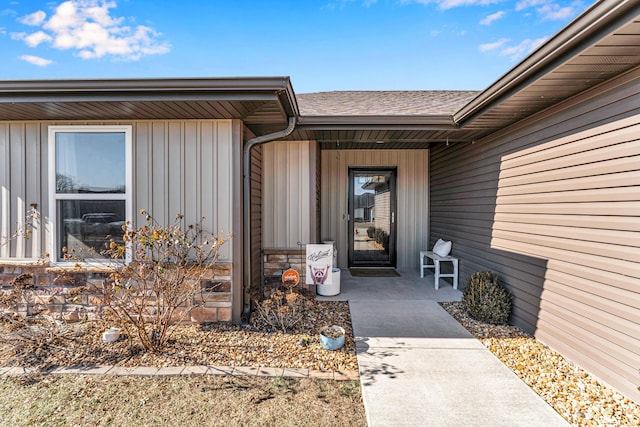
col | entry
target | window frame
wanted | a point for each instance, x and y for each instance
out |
(54, 196)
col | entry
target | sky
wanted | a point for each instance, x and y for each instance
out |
(322, 45)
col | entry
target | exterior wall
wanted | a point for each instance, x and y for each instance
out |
(552, 204)
(276, 260)
(256, 215)
(190, 167)
(55, 293)
(383, 211)
(288, 193)
(412, 216)
(23, 181)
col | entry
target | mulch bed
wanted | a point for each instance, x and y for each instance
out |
(80, 344)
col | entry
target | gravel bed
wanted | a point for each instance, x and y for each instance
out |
(576, 395)
(80, 344)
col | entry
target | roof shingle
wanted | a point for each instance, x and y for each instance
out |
(387, 103)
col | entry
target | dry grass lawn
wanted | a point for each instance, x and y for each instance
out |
(77, 400)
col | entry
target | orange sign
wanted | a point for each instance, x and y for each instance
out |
(290, 278)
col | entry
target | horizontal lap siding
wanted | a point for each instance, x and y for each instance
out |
(179, 167)
(256, 214)
(553, 206)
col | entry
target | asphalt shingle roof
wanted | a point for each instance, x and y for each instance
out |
(387, 103)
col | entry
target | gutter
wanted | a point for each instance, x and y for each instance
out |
(378, 122)
(151, 90)
(246, 210)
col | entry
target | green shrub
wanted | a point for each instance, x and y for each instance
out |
(487, 300)
(379, 235)
(371, 231)
(385, 242)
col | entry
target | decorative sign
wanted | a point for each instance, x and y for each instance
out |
(290, 278)
(319, 263)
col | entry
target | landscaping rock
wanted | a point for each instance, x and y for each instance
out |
(573, 393)
(215, 344)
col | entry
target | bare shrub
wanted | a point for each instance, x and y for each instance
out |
(35, 332)
(157, 276)
(24, 228)
(281, 309)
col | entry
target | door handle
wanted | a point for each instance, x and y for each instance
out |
(393, 217)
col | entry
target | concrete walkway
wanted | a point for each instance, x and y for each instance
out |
(420, 367)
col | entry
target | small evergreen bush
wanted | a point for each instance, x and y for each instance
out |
(371, 231)
(487, 300)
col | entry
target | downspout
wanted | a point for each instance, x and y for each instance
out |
(246, 210)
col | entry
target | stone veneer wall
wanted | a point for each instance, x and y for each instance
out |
(276, 260)
(54, 290)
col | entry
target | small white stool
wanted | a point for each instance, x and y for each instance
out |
(437, 259)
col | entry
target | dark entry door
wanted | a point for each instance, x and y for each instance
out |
(372, 214)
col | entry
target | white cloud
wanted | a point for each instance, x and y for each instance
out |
(550, 9)
(487, 47)
(523, 48)
(88, 28)
(493, 17)
(449, 4)
(514, 52)
(340, 4)
(18, 36)
(547, 9)
(524, 4)
(555, 12)
(8, 12)
(36, 60)
(34, 19)
(34, 39)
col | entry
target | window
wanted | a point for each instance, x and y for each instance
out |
(90, 190)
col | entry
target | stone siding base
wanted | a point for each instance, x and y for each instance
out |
(276, 260)
(58, 292)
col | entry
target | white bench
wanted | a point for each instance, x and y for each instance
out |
(437, 259)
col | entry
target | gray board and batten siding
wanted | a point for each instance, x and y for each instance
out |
(552, 204)
(180, 166)
(288, 193)
(412, 205)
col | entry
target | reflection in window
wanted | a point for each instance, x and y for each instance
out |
(88, 226)
(89, 179)
(90, 162)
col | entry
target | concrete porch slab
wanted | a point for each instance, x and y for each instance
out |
(407, 286)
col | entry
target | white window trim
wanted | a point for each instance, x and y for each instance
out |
(54, 197)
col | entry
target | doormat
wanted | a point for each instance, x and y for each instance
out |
(373, 272)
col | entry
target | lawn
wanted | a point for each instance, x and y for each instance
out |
(82, 400)
(79, 400)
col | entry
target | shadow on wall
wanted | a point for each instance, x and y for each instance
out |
(573, 201)
(463, 207)
(554, 214)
